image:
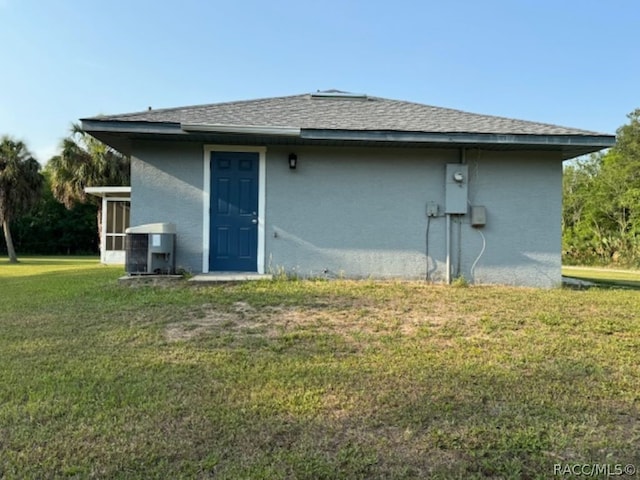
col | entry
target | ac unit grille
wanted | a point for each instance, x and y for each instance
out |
(137, 252)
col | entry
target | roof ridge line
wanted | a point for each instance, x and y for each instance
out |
(194, 106)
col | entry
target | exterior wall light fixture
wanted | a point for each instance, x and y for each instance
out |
(293, 161)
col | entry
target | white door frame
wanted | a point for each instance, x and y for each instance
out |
(110, 257)
(206, 199)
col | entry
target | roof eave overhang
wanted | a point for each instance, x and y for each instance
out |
(241, 129)
(109, 191)
(118, 134)
(460, 138)
(126, 127)
(571, 146)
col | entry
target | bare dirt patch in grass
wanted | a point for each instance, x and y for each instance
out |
(241, 319)
(357, 318)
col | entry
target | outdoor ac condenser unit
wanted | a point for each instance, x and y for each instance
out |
(150, 249)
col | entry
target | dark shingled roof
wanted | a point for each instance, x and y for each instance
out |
(338, 111)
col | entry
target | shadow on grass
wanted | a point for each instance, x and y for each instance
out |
(603, 283)
(29, 267)
(50, 260)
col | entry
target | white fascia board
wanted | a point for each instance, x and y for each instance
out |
(107, 191)
(242, 129)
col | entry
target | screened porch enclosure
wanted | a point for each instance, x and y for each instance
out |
(117, 213)
(116, 205)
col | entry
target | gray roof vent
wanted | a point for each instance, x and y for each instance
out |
(339, 94)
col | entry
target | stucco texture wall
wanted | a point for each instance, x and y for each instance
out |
(523, 195)
(362, 213)
(167, 186)
(351, 212)
(358, 212)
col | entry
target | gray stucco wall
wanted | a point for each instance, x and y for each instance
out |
(523, 195)
(167, 186)
(362, 212)
(353, 212)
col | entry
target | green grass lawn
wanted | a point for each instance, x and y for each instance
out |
(604, 276)
(310, 379)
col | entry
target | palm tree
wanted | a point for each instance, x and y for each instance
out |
(85, 162)
(20, 185)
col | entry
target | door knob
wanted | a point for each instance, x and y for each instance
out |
(254, 220)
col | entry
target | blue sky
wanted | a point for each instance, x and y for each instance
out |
(568, 62)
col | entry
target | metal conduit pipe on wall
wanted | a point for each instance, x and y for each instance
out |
(463, 161)
(452, 205)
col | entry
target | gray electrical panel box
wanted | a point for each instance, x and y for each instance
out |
(478, 216)
(456, 188)
(432, 209)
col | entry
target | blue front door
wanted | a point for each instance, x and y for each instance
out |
(234, 212)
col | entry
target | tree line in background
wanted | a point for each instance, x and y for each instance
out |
(47, 211)
(601, 206)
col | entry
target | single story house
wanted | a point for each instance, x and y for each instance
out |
(339, 184)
